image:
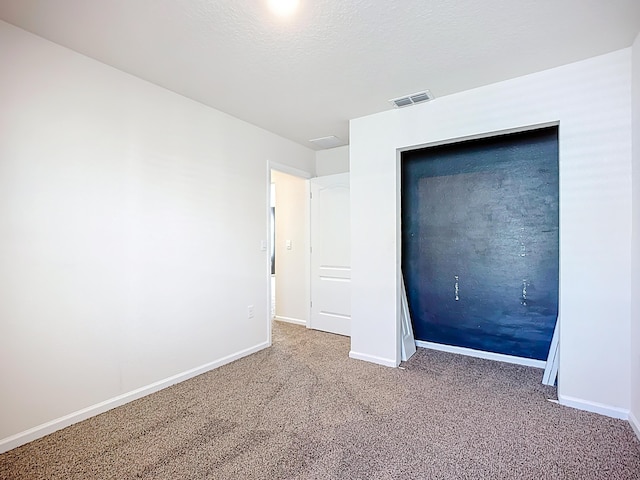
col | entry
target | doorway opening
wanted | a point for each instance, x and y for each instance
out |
(288, 212)
(480, 244)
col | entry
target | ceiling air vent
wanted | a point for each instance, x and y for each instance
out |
(327, 142)
(412, 99)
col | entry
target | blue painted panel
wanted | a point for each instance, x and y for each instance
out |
(480, 242)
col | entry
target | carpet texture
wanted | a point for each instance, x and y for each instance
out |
(303, 410)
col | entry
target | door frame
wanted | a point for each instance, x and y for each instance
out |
(461, 350)
(271, 165)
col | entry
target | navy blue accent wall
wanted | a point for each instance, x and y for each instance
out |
(480, 242)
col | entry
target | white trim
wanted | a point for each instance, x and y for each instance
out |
(270, 245)
(34, 433)
(470, 352)
(635, 424)
(307, 247)
(387, 362)
(408, 341)
(551, 367)
(297, 321)
(482, 135)
(600, 408)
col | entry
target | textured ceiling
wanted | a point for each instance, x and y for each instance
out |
(305, 77)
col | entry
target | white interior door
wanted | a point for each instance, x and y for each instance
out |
(330, 254)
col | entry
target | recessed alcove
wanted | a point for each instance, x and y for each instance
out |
(480, 242)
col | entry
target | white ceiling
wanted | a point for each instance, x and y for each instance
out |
(305, 77)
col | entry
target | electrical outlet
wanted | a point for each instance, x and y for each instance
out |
(250, 311)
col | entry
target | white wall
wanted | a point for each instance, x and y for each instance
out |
(332, 160)
(635, 284)
(292, 265)
(130, 228)
(591, 102)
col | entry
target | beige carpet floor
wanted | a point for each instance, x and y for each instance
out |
(303, 410)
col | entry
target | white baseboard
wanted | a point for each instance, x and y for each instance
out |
(600, 408)
(373, 359)
(39, 431)
(470, 352)
(635, 424)
(297, 321)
